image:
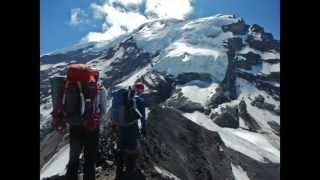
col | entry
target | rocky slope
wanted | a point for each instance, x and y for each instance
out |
(213, 97)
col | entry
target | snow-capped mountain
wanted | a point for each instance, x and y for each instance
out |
(213, 97)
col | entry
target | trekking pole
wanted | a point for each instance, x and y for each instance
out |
(64, 93)
(82, 98)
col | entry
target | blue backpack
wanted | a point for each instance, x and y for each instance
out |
(123, 109)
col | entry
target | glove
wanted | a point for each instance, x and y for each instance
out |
(58, 123)
(92, 123)
(59, 126)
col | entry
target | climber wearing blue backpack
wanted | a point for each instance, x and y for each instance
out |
(127, 109)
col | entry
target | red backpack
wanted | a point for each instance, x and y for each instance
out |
(77, 97)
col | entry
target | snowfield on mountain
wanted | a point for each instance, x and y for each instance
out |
(212, 94)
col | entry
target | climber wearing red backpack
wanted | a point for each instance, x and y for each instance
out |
(80, 101)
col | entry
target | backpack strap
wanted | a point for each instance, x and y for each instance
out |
(83, 106)
(66, 85)
(136, 108)
(132, 99)
(129, 93)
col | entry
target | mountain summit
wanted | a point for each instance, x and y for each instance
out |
(213, 98)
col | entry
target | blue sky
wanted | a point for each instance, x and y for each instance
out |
(66, 22)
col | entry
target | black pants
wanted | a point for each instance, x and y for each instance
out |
(128, 149)
(81, 139)
(124, 159)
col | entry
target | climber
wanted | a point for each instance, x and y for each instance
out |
(128, 129)
(81, 104)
